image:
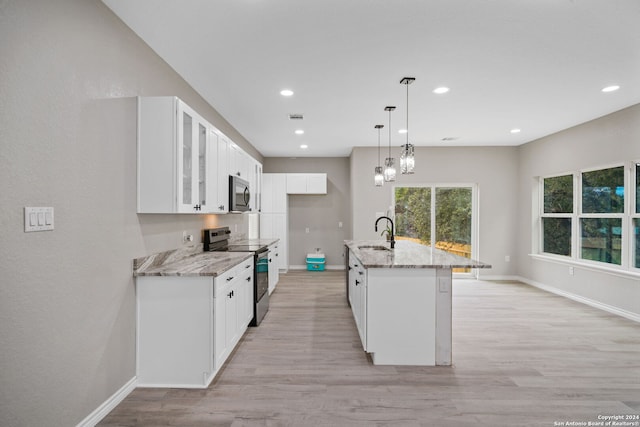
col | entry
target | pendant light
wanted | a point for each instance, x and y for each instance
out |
(379, 177)
(407, 158)
(389, 162)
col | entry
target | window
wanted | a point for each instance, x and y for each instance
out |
(636, 219)
(601, 236)
(440, 216)
(557, 215)
(586, 216)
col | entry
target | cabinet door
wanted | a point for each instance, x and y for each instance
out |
(296, 183)
(279, 194)
(192, 160)
(220, 349)
(267, 198)
(238, 162)
(276, 271)
(317, 183)
(231, 316)
(362, 307)
(280, 227)
(222, 203)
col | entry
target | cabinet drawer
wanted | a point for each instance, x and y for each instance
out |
(231, 276)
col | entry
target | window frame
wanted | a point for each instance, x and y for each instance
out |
(628, 216)
(475, 217)
(571, 216)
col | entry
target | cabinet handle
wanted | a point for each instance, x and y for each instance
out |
(248, 279)
(269, 259)
(277, 254)
(221, 207)
(230, 278)
(350, 268)
(247, 266)
(360, 273)
(357, 282)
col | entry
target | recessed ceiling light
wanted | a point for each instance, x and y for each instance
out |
(440, 90)
(286, 92)
(515, 130)
(611, 88)
(304, 146)
(299, 131)
(402, 131)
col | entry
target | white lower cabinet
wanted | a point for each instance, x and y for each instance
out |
(188, 326)
(274, 266)
(403, 315)
(358, 297)
(275, 225)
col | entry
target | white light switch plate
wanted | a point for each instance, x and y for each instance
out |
(38, 219)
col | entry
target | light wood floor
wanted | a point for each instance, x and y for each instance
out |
(522, 357)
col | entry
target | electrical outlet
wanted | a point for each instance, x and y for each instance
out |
(186, 238)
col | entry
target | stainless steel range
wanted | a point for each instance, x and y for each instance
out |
(217, 239)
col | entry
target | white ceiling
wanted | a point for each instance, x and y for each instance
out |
(537, 65)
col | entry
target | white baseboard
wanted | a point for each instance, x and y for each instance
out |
(107, 406)
(593, 303)
(326, 267)
(499, 278)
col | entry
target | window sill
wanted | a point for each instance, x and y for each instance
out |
(588, 266)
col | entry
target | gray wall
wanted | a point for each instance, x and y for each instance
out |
(69, 74)
(611, 139)
(320, 213)
(493, 169)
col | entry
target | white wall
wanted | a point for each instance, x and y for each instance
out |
(601, 142)
(493, 169)
(321, 214)
(69, 74)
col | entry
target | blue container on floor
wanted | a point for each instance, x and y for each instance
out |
(315, 262)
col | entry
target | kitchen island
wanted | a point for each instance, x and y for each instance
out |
(401, 300)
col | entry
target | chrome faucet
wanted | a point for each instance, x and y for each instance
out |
(393, 240)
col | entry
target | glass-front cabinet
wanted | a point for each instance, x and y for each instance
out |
(184, 162)
(193, 147)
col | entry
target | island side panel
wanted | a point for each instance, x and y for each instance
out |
(443, 316)
(401, 316)
(174, 331)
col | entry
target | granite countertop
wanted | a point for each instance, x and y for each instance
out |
(260, 242)
(188, 261)
(407, 254)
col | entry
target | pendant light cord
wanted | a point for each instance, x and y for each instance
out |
(407, 144)
(390, 132)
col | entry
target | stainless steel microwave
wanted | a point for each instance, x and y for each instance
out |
(239, 194)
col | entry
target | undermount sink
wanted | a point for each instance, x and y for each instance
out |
(375, 247)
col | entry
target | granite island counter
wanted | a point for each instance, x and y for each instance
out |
(401, 300)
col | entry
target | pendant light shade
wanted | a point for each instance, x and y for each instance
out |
(407, 157)
(379, 175)
(389, 162)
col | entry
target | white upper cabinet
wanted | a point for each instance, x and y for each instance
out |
(306, 183)
(239, 162)
(172, 157)
(184, 162)
(255, 184)
(274, 194)
(218, 173)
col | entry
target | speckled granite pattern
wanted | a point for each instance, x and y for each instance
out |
(188, 261)
(407, 254)
(263, 242)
